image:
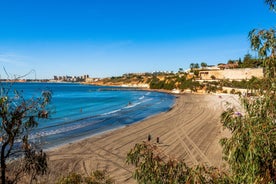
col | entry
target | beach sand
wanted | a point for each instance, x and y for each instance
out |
(191, 130)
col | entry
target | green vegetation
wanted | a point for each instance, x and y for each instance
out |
(250, 151)
(183, 80)
(203, 65)
(250, 62)
(96, 177)
(128, 78)
(154, 167)
(271, 3)
(156, 83)
(194, 66)
(247, 62)
(18, 116)
(253, 83)
(173, 82)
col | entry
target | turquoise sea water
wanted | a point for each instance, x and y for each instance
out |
(80, 111)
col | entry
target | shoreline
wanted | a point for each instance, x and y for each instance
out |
(190, 130)
(55, 148)
(111, 129)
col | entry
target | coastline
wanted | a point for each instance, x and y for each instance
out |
(121, 127)
(190, 130)
(60, 146)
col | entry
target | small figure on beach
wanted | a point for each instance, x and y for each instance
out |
(149, 137)
(157, 140)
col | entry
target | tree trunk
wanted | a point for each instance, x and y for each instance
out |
(3, 164)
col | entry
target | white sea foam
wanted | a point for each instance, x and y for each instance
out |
(148, 93)
(142, 97)
(138, 103)
(77, 110)
(58, 130)
(112, 112)
(132, 105)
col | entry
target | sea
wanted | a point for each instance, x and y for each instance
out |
(78, 111)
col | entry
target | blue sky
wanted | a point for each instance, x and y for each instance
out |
(110, 37)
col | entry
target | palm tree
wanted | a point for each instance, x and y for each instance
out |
(196, 65)
(203, 65)
(192, 66)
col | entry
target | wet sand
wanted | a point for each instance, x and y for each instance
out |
(191, 130)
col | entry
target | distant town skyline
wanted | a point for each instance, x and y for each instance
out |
(104, 38)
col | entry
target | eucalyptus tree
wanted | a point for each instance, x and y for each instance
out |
(250, 151)
(271, 3)
(264, 42)
(17, 117)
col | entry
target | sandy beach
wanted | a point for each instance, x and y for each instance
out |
(190, 130)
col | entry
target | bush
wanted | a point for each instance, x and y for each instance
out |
(18, 116)
(153, 167)
(96, 177)
(233, 91)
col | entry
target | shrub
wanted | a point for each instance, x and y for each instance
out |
(96, 177)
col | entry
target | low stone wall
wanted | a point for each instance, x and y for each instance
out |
(232, 74)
